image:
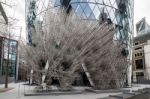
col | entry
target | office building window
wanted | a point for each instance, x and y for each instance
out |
(136, 43)
(139, 64)
(139, 74)
(138, 48)
(138, 54)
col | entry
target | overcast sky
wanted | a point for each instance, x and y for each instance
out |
(15, 9)
(141, 9)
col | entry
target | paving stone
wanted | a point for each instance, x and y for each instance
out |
(5, 89)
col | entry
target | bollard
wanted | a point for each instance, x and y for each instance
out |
(19, 96)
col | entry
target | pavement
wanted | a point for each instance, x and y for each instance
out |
(20, 89)
(5, 89)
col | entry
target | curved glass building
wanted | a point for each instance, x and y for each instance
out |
(119, 12)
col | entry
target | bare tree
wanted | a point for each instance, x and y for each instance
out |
(68, 45)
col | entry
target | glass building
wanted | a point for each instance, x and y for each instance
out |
(142, 27)
(8, 56)
(119, 12)
(34, 9)
(30, 18)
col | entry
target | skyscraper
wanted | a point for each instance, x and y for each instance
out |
(118, 12)
(142, 27)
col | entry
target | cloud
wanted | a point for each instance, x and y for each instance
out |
(19, 10)
(142, 9)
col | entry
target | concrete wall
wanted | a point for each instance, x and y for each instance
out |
(147, 60)
(2, 79)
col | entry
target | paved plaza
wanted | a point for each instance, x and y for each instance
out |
(19, 89)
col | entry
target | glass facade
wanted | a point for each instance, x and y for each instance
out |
(8, 56)
(30, 18)
(119, 12)
(35, 10)
(142, 27)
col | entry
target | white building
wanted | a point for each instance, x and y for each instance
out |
(147, 59)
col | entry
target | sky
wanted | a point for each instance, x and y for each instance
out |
(15, 9)
(141, 9)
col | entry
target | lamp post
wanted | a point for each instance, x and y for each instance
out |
(7, 66)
